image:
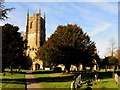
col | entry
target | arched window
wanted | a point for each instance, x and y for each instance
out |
(31, 24)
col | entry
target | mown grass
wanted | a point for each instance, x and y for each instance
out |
(106, 81)
(49, 79)
(13, 81)
(103, 84)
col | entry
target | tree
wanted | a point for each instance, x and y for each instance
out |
(4, 11)
(105, 63)
(117, 55)
(12, 47)
(109, 61)
(112, 46)
(112, 60)
(68, 45)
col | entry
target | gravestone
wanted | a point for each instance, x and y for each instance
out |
(73, 85)
(78, 81)
(95, 67)
(47, 68)
(117, 78)
(95, 77)
(81, 67)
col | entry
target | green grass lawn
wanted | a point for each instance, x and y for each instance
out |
(49, 79)
(103, 84)
(17, 80)
(106, 81)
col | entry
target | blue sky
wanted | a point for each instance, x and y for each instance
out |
(98, 19)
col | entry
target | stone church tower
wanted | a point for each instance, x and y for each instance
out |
(35, 35)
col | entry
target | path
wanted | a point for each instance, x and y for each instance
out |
(31, 82)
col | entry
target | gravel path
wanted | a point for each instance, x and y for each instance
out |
(31, 82)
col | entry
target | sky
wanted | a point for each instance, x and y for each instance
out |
(98, 18)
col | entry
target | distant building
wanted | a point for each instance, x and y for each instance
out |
(35, 35)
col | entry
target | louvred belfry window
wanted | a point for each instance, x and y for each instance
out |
(31, 24)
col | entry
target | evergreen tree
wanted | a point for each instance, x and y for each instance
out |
(4, 10)
(12, 47)
(68, 45)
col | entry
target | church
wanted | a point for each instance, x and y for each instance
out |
(35, 35)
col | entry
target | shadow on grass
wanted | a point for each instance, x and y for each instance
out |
(88, 88)
(16, 72)
(13, 81)
(100, 75)
(12, 78)
(105, 75)
(54, 79)
(44, 72)
(84, 76)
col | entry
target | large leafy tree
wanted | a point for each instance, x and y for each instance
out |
(12, 47)
(113, 60)
(108, 61)
(68, 45)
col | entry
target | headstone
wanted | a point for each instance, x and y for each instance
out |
(81, 67)
(73, 85)
(95, 77)
(116, 78)
(47, 68)
(119, 80)
(95, 67)
(78, 82)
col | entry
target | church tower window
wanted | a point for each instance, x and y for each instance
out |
(31, 24)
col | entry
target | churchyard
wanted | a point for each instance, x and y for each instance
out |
(51, 79)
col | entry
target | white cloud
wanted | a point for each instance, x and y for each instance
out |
(109, 7)
(100, 28)
(102, 47)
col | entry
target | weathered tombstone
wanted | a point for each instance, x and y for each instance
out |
(73, 85)
(95, 67)
(116, 78)
(78, 82)
(73, 68)
(47, 68)
(81, 67)
(95, 77)
(119, 80)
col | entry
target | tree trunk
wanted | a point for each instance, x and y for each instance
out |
(11, 69)
(77, 67)
(3, 70)
(91, 69)
(84, 69)
(67, 68)
(115, 68)
(105, 68)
